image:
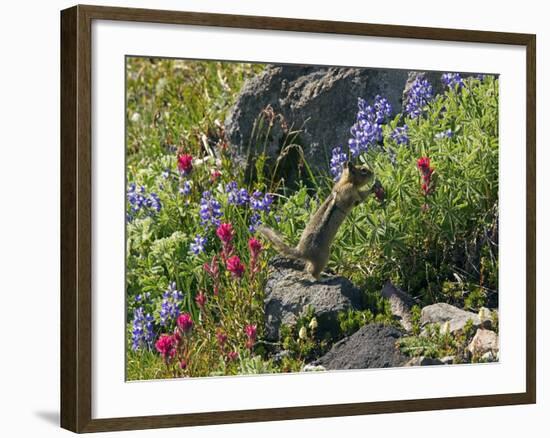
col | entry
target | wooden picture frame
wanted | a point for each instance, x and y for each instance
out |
(76, 218)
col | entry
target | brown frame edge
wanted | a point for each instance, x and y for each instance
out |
(76, 165)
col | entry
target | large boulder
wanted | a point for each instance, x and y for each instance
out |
(440, 313)
(372, 346)
(290, 291)
(319, 101)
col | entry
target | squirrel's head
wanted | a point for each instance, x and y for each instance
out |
(357, 175)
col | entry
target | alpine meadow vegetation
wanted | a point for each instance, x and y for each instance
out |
(195, 266)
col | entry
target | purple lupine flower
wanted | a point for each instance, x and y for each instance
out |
(383, 109)
(418, 96)
(261, 202)
(143, 333)
(337, 162)
(186, 189)
(367, 130)
(135, 197)
(197, 246)
(139, 201)
(169, 308)
(401, 135)
(166, 173)
(255, 220)
(452, 80)
(236, 196)
(210, 210)
(153, 202)
(445, 134)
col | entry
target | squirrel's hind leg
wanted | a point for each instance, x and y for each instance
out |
(315, 268)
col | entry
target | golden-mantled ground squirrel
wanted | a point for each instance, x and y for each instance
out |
(317, 237)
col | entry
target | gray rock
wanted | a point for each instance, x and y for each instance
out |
(372, 346)
(486, 318)
(440, 313)
(400, 303)
(319, 101)
(484, 341)
(422, 361)
(289, 292)
(313, 368)
(448, 360)
(489, 357)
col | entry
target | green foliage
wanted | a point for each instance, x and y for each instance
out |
(434, 345)
(255, 365)
(179, 106)
(377, 310)
(301, 341)
(468, 331)
(416, 313)
(436, 342)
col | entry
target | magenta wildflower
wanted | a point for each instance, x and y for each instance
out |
(185, 164)
(232, 355)
(235, 266)
(225, 233)
(251, 330)
(166, 346)
(213, 269)
(185, 322)
(423, 165)
(201, 299)
(221, 338)
(255, 247)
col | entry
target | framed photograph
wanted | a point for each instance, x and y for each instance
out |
(268, 219)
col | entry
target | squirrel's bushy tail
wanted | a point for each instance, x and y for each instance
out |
(279, 244)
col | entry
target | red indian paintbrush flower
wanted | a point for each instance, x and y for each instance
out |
(251, 330)
(255, 246)
(423, 165)
(214, 175)
(232, 355)
(185, 322)
(235, 266)
(165, 345)
(221, 338)
(201, 299)
(225, 233)
(213, 269)
(185, 163)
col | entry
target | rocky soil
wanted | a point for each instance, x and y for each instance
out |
(290, 292)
